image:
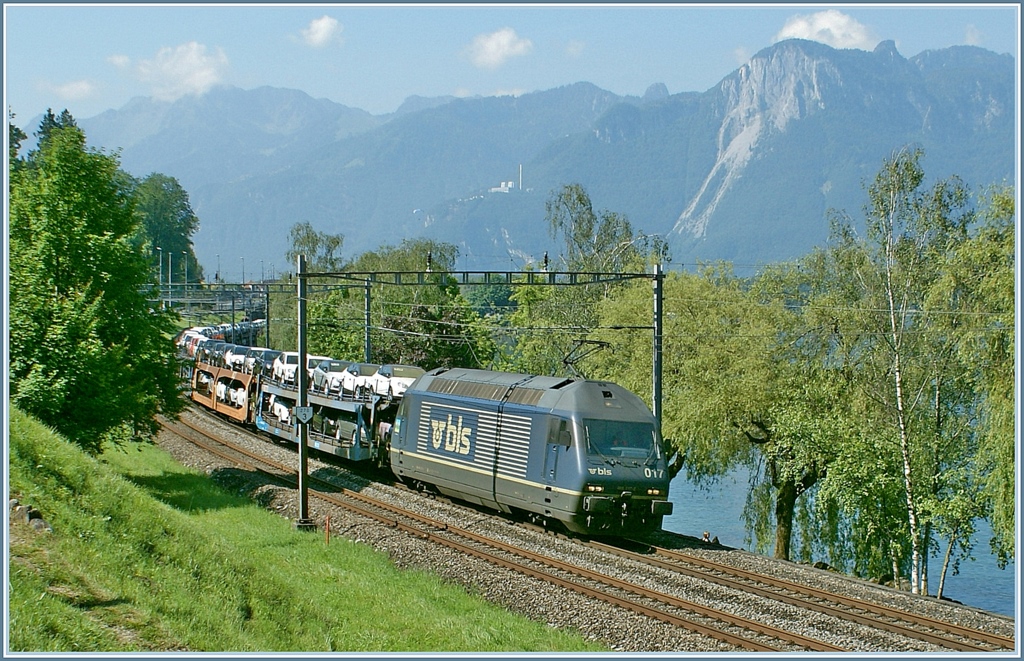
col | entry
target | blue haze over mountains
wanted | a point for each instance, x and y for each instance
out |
(745, 171)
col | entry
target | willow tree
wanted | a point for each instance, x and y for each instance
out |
(322, 250)
(743, 386)
(551, 323)
(977, 289)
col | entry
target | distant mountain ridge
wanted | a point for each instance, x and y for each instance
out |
(745, 171)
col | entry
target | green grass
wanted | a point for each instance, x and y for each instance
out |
(146, 555)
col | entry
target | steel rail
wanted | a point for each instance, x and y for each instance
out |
(286, 473)
(807, 594)
(806, 601)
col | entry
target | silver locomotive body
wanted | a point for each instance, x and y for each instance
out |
(584, 453)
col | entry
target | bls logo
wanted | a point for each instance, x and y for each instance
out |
(453, 435)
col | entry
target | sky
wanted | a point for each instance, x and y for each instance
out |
(91, 58)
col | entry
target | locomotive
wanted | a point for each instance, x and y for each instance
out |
(583, 454)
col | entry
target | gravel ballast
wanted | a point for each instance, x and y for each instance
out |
(619, 629)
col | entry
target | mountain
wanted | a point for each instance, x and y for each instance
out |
(746, 171)
(224, 135)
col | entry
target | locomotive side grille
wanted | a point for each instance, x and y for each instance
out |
(515, 445)
(486, 431)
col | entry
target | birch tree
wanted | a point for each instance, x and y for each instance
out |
(908, 233)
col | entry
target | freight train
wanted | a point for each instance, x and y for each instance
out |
(585, 455)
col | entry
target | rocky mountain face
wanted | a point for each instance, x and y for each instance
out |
(746, 171)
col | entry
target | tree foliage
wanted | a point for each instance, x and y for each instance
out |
(793, 375)
(15, 136)
(741, 387)
(550, 324)
(51, 123)
(598, 242)
(908, 364)
(430, 325)
(979, 279)
(89, 354)
(320, 248)
(168, 223)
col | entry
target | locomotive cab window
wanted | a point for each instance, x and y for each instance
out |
(621, 440)
(559, 432)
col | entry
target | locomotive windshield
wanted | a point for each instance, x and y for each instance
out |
(621, 440)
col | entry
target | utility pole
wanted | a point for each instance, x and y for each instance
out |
(160, 280)
(659, 281)
(188, 303)
(366, 323)
(303, 522)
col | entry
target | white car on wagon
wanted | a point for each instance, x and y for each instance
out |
(393, 380)
(286, 366)
(354, 378)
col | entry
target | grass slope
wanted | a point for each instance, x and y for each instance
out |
(146, 555)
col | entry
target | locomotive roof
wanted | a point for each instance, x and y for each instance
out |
(600, 398)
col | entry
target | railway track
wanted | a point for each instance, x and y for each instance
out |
(931, 630)
(730, 629)
(741, 633)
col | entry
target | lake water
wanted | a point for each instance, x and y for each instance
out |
(719, 510)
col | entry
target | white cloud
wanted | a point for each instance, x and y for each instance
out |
(575, 48)
(972, 36)
(490, 51)
(321, 31)
(740, 55)
(830, 27)
(75, 90)
(119, 61)
(186, 69)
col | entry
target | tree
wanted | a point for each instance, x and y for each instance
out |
(15, 136)
(858, 520)
(51, 123)
(743, 385)
(429, 325)
(89, 355)
(979, 277)
(911, 232)
(595, 242)
(319, 248)
(167, 222)
(548, 324)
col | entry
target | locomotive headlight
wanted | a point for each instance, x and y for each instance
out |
(654, 492)
(595, 488)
